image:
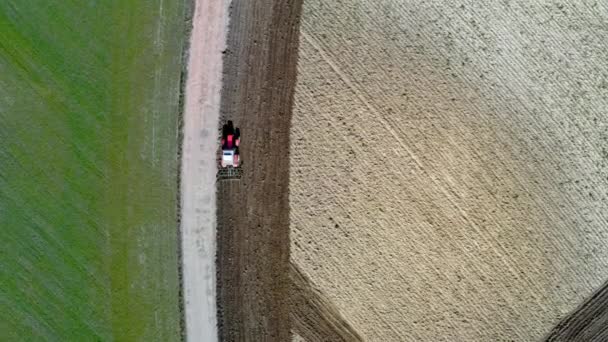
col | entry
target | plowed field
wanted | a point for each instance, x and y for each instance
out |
(253, 212)
(449, 164)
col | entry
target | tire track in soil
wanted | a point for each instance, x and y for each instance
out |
(253, 213)
(314, 317)
(589, 322)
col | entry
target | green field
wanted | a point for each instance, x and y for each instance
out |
(88, 169)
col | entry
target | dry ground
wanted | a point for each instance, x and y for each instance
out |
(449, 164)
(253, 213)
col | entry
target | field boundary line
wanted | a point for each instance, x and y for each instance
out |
(313, 316)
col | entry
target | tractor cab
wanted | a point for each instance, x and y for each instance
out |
(229, 158)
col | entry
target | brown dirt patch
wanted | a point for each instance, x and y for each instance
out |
(253, 213)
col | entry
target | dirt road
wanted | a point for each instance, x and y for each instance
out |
(449, 164)
(198, 170)
(253, 213)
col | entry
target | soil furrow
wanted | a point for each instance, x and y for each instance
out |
(314, 317)
(587, 323)
(253, 212)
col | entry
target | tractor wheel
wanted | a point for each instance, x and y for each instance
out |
(230, 127)
(224, 131)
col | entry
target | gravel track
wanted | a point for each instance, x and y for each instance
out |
(198, 170)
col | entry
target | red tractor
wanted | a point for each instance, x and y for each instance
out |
(231, 138)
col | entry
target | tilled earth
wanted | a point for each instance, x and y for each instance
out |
(253, 212)
(449, 164)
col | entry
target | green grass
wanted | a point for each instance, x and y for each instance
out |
(88, 167)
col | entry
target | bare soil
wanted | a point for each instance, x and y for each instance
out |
(253, 212)
(447, 172)
(449, 164)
